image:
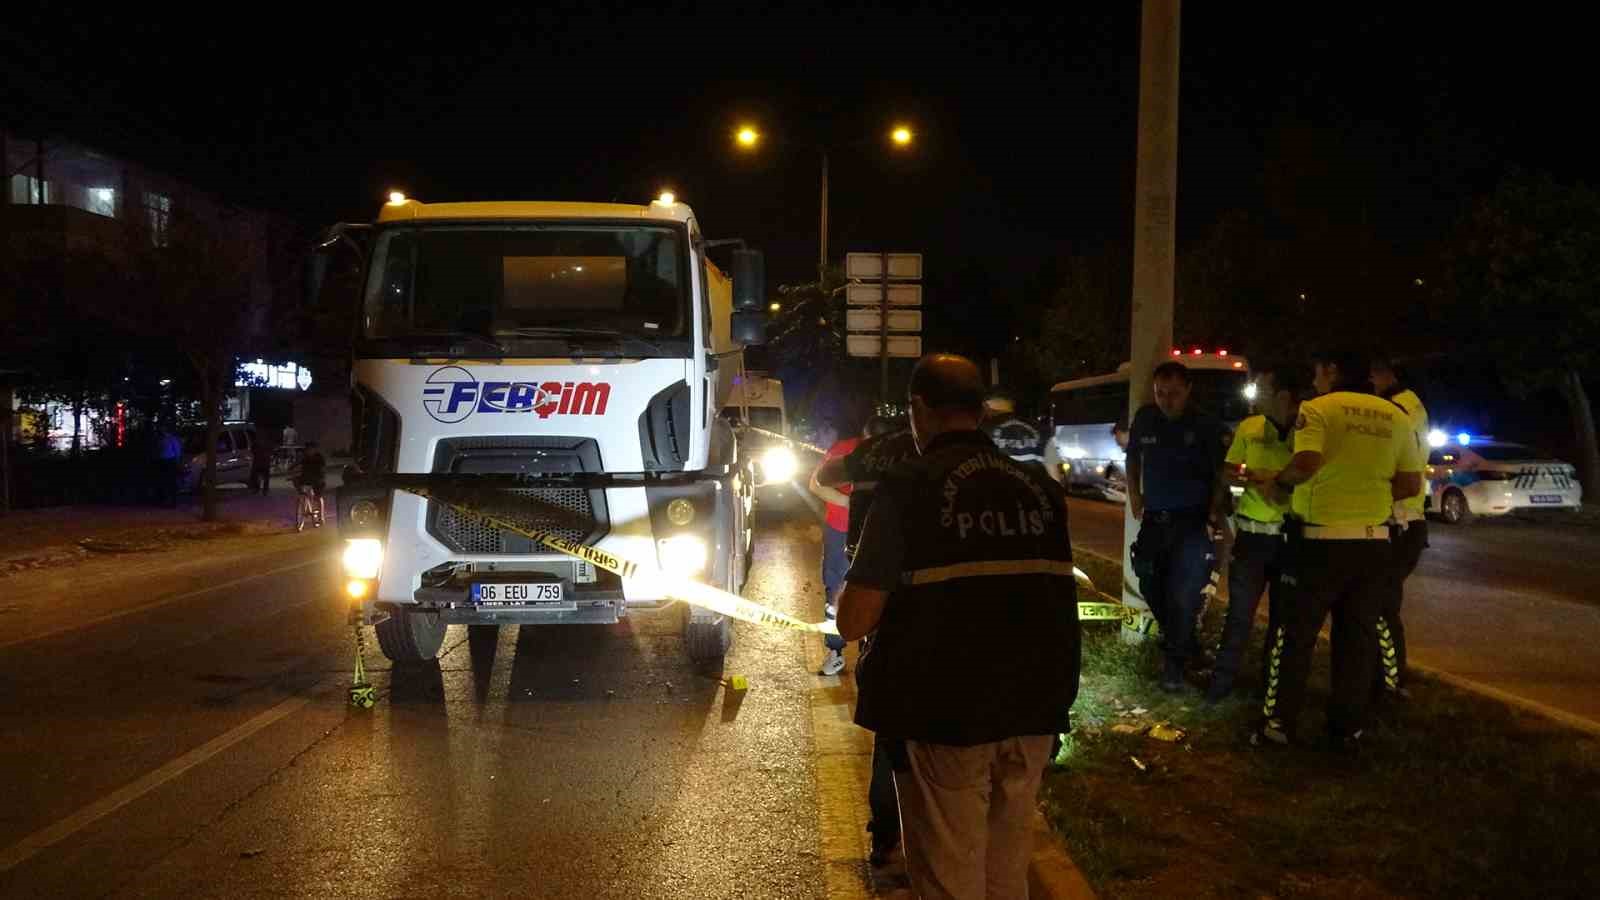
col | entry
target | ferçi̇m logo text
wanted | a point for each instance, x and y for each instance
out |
(451, 394)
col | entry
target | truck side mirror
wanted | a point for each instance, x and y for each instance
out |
(749, 280)
(351, 237)
(750, 328)
(316, 274)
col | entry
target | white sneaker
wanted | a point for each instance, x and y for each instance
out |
(832, 664)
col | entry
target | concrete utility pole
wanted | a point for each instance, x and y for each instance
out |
(1155, 204)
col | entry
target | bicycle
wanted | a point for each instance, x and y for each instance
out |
(286, 458)
(308, 507)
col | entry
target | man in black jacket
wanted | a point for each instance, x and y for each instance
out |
(964, 549)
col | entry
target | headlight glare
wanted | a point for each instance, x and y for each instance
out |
(779, 464)
(363, 557)
(684, 555)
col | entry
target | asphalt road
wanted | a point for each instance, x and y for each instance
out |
(1512, 605)
(183, 731)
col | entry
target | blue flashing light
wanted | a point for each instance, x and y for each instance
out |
(1464, 439)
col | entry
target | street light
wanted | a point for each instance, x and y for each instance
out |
(747, 137)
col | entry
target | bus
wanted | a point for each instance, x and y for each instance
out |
(1088, 455)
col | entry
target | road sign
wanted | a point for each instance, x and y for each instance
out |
(872, 294)
(907, 345)
(869, 266)
(869, 319)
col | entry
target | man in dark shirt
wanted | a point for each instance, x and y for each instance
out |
(1175, 457)
(964, 547)
(884, 448)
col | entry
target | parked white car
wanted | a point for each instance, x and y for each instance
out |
(1492, 478)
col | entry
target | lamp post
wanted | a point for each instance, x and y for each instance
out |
(748, 138)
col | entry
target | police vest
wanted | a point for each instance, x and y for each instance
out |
(1018, 440)
(979, 641)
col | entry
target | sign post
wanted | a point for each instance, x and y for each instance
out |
(884, 280)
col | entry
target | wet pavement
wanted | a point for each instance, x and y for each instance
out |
(183, 730)
(1510, 604)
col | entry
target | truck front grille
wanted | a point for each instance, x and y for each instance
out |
(522, 455)
(468, 535)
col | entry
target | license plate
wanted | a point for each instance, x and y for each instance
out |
(1545, 498)
(535, 595)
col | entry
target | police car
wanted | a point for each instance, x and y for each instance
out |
(1468, 477)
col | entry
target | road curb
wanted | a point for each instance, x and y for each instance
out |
(1051, 872)
(1559, 716)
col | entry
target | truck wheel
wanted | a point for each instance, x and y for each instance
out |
(1453, 508)
(408, 637)
(707, 638)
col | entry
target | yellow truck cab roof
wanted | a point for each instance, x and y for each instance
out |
(411, 210)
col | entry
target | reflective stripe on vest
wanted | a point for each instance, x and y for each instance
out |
(988, 567)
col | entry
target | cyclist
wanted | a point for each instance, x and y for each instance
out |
(312, 472)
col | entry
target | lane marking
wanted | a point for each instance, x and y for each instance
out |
(28, 847)
(156, 604)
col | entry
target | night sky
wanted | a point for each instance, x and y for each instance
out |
(1386, 123)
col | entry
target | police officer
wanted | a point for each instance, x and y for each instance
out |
(1410, 534)
(1262, 447)
(1354, 456)
(884, 447)
(1012, 434)
(964, 548)
(1175, 458)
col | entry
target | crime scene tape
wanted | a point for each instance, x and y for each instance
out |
(689, 591)
(472, 500)
(788, 440)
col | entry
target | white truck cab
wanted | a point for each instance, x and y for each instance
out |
(585, 348)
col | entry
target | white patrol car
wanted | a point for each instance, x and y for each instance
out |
(1469, 478)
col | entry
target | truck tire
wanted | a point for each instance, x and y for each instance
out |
(707, 639)
(410, 637)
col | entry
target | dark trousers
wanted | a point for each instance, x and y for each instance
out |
(260, 480)
(835, 564)
(1407, 544)
(1345, 578)
(1254, 566)
(1178, 544)
(167, 482)
(882, 803)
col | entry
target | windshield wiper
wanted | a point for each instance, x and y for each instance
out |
(469, 338)
(574, 336)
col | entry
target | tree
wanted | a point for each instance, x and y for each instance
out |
(208, 292)
(1083, 329)
(1527, 266)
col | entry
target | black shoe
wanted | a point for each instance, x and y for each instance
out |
(1346, 745)
(1270, 733)
(882, 852)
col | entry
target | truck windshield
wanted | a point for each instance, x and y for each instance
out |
(598, 289)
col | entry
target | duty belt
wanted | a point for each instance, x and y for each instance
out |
(1169, 516)
(1254, 527)
(1345, 532)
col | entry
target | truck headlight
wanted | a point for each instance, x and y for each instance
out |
(680, 512)
(363, 557)
(684, 555)
(364, 514)
(779, 464)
